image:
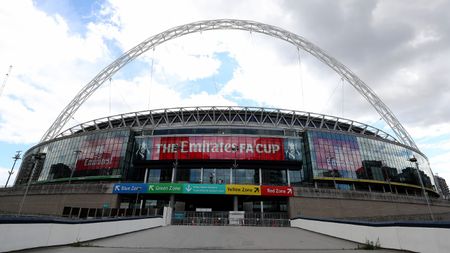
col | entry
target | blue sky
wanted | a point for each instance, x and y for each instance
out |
(56, 47)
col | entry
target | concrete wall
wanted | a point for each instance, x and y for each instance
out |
(31, 235)
(354, 208)
(417, 239)
(53, 204)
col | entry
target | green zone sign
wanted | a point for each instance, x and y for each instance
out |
(165, 188)
(204, 188)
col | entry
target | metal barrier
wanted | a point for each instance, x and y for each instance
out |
(223, 219)
(99, 213)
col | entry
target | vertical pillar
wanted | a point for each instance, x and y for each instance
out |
(201, 175)
(260, 176)
(231, 175)
(174, 175)
(146, 176)
(288, 177)
(235, 203)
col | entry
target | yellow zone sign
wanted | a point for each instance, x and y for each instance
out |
(239, 189)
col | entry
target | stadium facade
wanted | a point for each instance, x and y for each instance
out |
(225, 158)
(256, 160)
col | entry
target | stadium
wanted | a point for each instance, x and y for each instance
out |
(220, 158)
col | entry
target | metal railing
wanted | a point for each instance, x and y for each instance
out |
(94, 187)
(358, 194)
(99, 213)
(192, 218)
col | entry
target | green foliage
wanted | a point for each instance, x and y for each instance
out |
(370, 245)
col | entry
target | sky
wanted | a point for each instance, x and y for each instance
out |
(401, 49)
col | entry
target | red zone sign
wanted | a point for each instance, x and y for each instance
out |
(284, 191)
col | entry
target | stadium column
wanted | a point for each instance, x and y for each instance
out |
(235, 149)
(174, 175)
(260, 183)
(145, 181)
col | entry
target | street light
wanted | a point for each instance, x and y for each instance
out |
(414, 160)
(16, 157)
(36, 157)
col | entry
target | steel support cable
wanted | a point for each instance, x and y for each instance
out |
(232, 24)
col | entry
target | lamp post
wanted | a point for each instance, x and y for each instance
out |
(74, 167)
(36, 158)
(16, 157)
(414, 160)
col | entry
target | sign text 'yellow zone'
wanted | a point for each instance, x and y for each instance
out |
(237, 189)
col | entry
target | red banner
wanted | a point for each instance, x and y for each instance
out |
(285, 191)
(99, 154)
(210, 147)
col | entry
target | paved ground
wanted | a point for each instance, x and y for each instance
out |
(201, 239)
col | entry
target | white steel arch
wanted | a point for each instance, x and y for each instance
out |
(230, 24)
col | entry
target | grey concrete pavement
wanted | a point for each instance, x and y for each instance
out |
(229, 239)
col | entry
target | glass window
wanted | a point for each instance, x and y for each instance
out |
(274, 177)
(246, 176)
(216, 176)
(295, 176)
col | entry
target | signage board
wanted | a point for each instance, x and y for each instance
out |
(129, 188)
(185, 188)
(204, 188)
(237, 189)
(99, 154)
(236, 217)
(165, 188)
(217, 148)
(286, 191)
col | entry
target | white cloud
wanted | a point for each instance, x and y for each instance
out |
(403, 58)
(430, 131)
(49, 65)
(4, 176)
(440, 164)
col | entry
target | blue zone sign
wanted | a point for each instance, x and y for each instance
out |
(131, 188)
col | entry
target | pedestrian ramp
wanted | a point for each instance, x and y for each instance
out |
(225, 237)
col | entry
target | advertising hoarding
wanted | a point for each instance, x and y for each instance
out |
(334, 153)
(99, 154)
(217, 147)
